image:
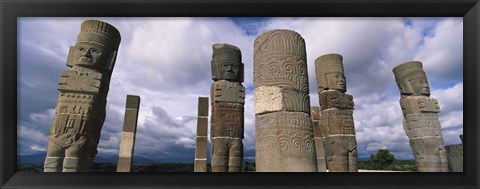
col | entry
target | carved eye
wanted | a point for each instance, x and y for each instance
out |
(81, 49)
(96, 51)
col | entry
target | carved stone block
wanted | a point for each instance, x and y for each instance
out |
(289, 134)
(273, 99)
(226, 91)
(335, 99)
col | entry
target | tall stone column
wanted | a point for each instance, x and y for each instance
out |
(319, 139)
(337, 114)
(420, 121)
(228, 99)
(200, 164)
(80, 111)
(127, 144)
(284, 131)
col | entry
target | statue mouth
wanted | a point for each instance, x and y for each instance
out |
(85, 59)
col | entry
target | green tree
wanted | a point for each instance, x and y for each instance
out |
(382, 159)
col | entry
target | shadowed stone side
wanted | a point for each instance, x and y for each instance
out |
(80, 111)
(421, 122)
(200, 164)
(127, 144)
(284, 131)
(455, 157)
(228, 99)
(336, 120)
(319, 139)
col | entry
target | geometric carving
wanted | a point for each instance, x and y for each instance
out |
(283, 126)
(80, 111)
(421, 123)
(336, 120)
(228, 98)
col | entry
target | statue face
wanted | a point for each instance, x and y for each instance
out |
(336, 81)
(420, 86)
(89, 55)
(229, 70)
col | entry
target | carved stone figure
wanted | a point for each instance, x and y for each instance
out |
(228, 99)
(127, 143)
(200, 164)
(336, 119)
(455, 157)
(80, 110)
(284, 131)
(319, 139)
(420, 121)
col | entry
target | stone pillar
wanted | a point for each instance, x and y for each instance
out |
(228, 99)
(200, 164)
(80, 111)
(337, 114)
(127, 144)
(455, 157)
(284, 131)
(420, 121)
(319, 139)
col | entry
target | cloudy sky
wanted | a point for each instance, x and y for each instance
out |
(166, 61)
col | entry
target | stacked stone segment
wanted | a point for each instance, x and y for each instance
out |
(201, 141)
(319, 135)
(127, 143)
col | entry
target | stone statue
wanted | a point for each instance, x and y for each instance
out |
(320, 137)
(284, 131)
(228, 99)
(200, 163)
(420, 121)
(127, 144)
(336, 114)
(80, 110)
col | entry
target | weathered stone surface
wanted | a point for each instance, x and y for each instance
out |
(319, 139)
(273, 99)
(455, 157)
(227, 118)
(227, 91)
(421, 122)
(336, 120)
(127, 143)
(80, 110)
(200, 164)
(284, 131)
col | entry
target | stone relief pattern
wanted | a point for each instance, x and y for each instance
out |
(338, 122)
(284, 71)
(335, 99)
(296, 101)
(227, 122)
(225, 91)
(288, 131)
(422, 125)
(278, 42)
